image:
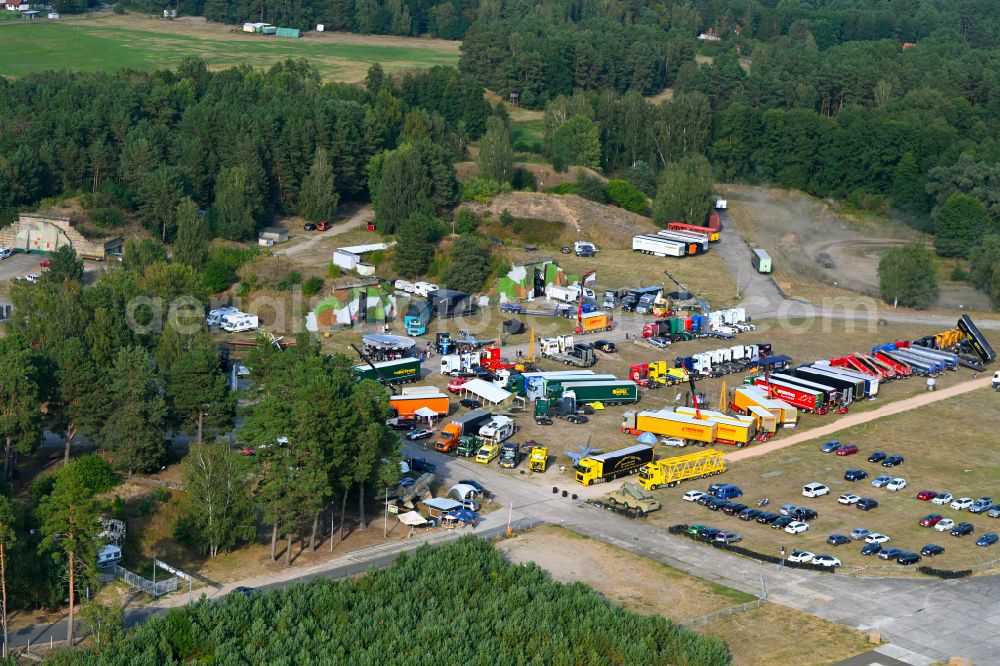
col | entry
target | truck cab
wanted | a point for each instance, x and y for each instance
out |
(487, 453)
(468, 446)
(510, 455)
(418, 315)
(996, 381)
(539, 459)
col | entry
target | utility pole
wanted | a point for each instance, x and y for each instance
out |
(385, 524)
(510, 514)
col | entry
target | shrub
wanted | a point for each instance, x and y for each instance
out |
(591, 188)
(118, 507)
(506, 218)
(627, 196)
(186, 532)
(466, 222)
(958, 274)
(524, 181)
(145, 507)
(161, 495)
(333, 271)
(220, 270)
(312, 286)
(482, 189)
(97, 473)
(563, 188)
(286, 283)
(106, 218)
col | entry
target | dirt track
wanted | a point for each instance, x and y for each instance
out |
(840, 423)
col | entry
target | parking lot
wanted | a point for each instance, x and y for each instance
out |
(20, 265)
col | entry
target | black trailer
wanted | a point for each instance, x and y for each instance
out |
(980, 345)
(448, 303)
(830, 378)
(833, 395)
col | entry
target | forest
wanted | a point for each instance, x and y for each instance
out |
(457, 603)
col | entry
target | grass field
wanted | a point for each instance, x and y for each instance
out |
(111, 42)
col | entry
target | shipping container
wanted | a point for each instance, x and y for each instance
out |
(761, 260)
(401, 370)
(608, 466)
(406, 406)
(294, 33)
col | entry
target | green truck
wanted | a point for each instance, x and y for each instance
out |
(400, 371)
(468, 446)
(618, 392)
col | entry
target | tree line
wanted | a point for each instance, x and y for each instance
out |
(457, 603)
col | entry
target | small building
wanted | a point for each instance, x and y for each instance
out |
(44, 234)
(275, 234)
(709, 36)
(30, 14)
(169, 13)
(53, 15)
(320, 27)
(350, 258)
(16, 6)
(437, 507)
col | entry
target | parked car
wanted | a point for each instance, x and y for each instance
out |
(942, 498)
(838, 539)
(470, 403)
(876, 457)
(696, 529)
(994, 512)
(45, 264)
(871, 549)
(488, 453)
(543, 421)
(962, 529)
(896, 484)
(397, 423)
(786, 509)
(6, 253)
(848, 498)
(981, 504)
(847, 450)
(577, 418)
(801, 556)
(605, 346)
(705, 499)
(796, 527)
(709, 534)
(855, 475)
(859, 533)
(679, 442)
(987, 539)
(728, 537)
(907, 558)
(881, 480)
(733, 508)
(660, 343)
(889, 553)
(781, 522)
(826, 561)
(931, 550)
(962, 503)
(716, 503)
(749, 514)
(246, 591)
(586, 410)
(692, 495)
(875, 537)
(767, 517)
(309, 226)
(815, 490)
(944, 525)
(802, 513)
(418, 433)
(565, 249)
(892, 461)
(867, 504)
(931, 519)
(831, 446)
(926, 495)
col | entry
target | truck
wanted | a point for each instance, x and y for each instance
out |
(618, 392)
(980, 345)
(497, 429)
(745, 398)
(456, 364)
(417, 317)
(712, 234)
(398, 371)
(570, 294)
(594, 322)
(406, 406)
(760, 260)
(466, 424)
(633, 497)
(729, 429)
(646, 304)
(658, 246)
(510, 455)
(696, 243)
(802, 398)
(613, 465)
(562, 348)
(468, 446)
(668, 472)
(669, 424)
(539, 459)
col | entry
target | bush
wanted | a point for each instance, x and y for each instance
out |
(42, 487)
(563, 188)
(161, 495)
(958, 274)
(945, 573)
(107, 218)
(524, 181)
(312, 286)
(186, 532)
(220, 270)
(482, 189)
(466, 222)
(333, 271)
(145, 507)
(591, 188)
(96, 472)
(627, 196)
(118, 508)
(506, 218)
(286, 283)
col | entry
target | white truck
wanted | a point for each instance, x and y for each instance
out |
(454, 364)
(570, 294)
(498, 429)
(424, 288)
(239, 322)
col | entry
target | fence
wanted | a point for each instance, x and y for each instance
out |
(725, 612)
(153, 589)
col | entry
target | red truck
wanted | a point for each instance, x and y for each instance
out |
(801, 398)
(490, 358)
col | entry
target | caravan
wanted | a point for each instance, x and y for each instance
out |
(109, 555)
(214, 317)
(239, 322)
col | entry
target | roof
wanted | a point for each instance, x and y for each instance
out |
(463, 490)
(487, 391)
(411, 518)
(442, 503)
(362, 249)
(622, 452)
(426, 412)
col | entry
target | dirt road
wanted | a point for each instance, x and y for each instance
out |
(840, 423)
(360, 217)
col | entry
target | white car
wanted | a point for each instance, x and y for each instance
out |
(826, 560)
(673, 441)
(796, 526)
(962, 503)
(942, 499)
(801, 556)
(692, 496)
(6, 252)
(875, 537)
(848, 498)
(896, 484)
(945, 525)
(814, 490)
(32, 278)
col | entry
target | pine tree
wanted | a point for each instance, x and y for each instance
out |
(318, 197)
(197, 390)
(413, 247)
(70, 526)
(238, 202)
(159, 193)
(20, 401)
(66, 266)
(7, 538)
(401, 188)
(81, 404)
(496, 156)
(193, 235)
(134, 434)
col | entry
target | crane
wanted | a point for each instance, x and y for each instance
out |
(694, 396)
(702, 304)
(385, 381)
(579, 308)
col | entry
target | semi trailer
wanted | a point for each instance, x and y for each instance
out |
(746, 397)
(696, 243)
(846, 386)
(669, 424)
(802, 398)
(658, 246)
(398, 371)
(466, 424)
(713, 234)
(406, 406)
(668, 472)
(613, 465)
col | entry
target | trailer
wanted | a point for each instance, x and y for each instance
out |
(398, 371)
(949, 359)
(618, 392)
(747, 397)
(980, 345)
(460, 426)
(922, 365)
(658, 246)
(669, 424)
(844, 385)
(729, 429)
(497, 429)
(760, 260)
(595, 322)
(553, 387)
(532, 384)
(902, 368)
(406, 406)
(833, 395)
(797, 396)
(562, 348)
(694, 243)
(767, 422)
(668, 472)
(869, 382)
(712, 234)
(613, 465)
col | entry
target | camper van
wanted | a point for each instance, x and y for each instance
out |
(239, 322)
(214, 317)
(109, 555)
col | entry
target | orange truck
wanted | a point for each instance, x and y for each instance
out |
(729, 429)
(594, 322)
(406, 405)
(467, 424)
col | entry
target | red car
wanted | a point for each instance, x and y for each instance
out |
(456, 383)
(847, 450)
(926, 495)
(930, 520)
(322, 226)
(45, 264)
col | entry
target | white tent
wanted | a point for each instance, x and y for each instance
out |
(461, 491)
(488, 392)
(412, 518)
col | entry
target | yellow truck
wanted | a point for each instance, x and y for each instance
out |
(608, 466)
(488, 453)
(730, 428)
(669, 424)
(767, 422)
(746, 396)
(664, 373)
(539, 459)
(671, 471)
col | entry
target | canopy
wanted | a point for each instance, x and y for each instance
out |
(485, 390)
(646, 438)
(463, 515)
(426, 412)
(462, 491)
(411, 518)
(385, 341)
(442, 503)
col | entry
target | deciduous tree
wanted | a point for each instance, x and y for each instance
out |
(496, 156)
(959, 225)
(7, 537)
(470, 265)
(217, 495)
(685, 193)
(908, 277)
(20, 401)
(193, 235)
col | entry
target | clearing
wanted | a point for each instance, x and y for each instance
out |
(109, 42)
(647, 586)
